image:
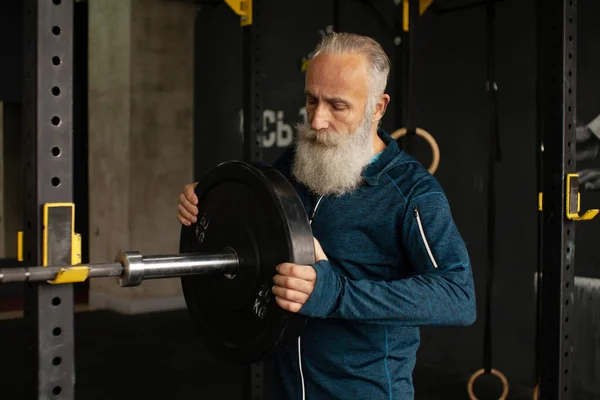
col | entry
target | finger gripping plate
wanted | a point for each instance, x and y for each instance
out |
(254, 211)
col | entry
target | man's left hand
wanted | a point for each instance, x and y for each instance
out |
(295, 283)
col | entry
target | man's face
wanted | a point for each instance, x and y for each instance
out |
(336, 92)
(336, 143)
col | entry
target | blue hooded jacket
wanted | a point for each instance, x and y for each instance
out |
(396, 261)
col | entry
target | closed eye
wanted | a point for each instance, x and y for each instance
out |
(337, 103)
(311, 100)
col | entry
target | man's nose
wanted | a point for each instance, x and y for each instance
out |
(320, 118)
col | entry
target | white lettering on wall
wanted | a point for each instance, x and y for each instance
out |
(277, 131)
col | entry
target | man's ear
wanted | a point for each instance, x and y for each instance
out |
(381, 107)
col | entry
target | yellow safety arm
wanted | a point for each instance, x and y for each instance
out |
(75, 273)
(423, 5)
(20, 246)
(71, 275)
(574, 201)
(243, 8)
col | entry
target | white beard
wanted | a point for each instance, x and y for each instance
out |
(331, 163)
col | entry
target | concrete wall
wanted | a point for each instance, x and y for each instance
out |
(140, 139)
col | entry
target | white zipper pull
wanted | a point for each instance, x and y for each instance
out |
(315, 210)
(418, 216)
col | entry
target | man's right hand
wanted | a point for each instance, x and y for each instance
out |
(187, 205)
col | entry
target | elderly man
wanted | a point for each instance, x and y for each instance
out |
(389, 256)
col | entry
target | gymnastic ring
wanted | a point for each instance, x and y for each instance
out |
(536, 391)
(494, 372)
(435, 149)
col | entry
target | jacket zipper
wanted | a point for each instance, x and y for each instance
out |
(418, 216)
(299, 342)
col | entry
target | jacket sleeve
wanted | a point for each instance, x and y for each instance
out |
(439, 292)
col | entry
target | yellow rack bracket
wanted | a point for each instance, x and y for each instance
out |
(574, 201)
(540, 201)
(243, 8)
(59, 228)
(20, 246)
(423, 6)
(71, 275)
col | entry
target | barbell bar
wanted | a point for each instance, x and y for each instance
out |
(132, 268)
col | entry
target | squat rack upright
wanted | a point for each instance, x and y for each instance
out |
(48, 176)
(558, 186)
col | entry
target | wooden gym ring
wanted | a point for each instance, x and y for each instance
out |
(435, 149)
(494, 372)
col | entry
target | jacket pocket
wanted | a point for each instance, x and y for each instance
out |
(423, 237)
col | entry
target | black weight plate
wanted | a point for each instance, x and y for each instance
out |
(255, 211)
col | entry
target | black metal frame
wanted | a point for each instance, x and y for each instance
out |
(400, 60)
(556, 72)
(252, 86)
(47, 141)
(405, 42)
(409, 72)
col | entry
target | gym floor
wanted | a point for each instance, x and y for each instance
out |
(159, 356)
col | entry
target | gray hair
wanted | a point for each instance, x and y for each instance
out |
(378, 61)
